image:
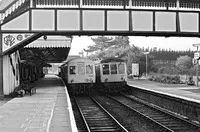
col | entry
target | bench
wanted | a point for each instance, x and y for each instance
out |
(29, 87)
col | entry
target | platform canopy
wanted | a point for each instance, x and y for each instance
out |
(51, 42)
(54, 48)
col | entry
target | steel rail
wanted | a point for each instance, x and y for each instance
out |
(109, 114)
(79, 109)
(119, 126)
(148, 118)
(162, 110)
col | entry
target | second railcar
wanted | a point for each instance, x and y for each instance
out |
(112, 75)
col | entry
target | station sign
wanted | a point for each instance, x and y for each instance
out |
(196, 45)
(12, 39)
(196, 55)
(195, 61)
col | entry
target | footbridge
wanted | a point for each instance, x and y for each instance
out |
(24, 21)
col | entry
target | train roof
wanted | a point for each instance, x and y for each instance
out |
(79, 59)
(111, 59)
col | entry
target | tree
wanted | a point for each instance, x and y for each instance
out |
(172, 70)
(36, 56)
(184, 63)
(119, 47)
(101, 43)
(106, 43)
(193, 70)
(142, 63)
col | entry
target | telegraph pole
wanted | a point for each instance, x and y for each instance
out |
(146, 53)
(196, 57)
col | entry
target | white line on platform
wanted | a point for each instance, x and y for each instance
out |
(49, 122)
(71, 115)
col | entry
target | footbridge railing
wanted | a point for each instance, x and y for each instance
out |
(123, 3)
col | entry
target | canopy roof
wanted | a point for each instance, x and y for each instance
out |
(51, 42)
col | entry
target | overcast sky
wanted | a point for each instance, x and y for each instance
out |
(173, 43)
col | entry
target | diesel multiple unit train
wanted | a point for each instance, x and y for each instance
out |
(82, 75)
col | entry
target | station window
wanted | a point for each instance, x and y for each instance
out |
(113, 68)
(121, 68)
(89, 69)
(81, 69)
(72, 70)
(105, 69)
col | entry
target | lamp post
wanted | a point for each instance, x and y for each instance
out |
(196, 56)
(146, 53)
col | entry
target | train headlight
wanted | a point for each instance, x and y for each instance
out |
(122, 78)
(72, 81)
(89, 80)
(106, 80)
(90, 75)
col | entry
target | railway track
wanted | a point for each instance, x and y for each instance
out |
(95, 117)
(160, 117)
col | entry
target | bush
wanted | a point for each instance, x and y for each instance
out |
(168, 70)
(169, 79)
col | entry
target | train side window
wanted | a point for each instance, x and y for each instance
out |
(121, 68)
(72, 70)
(105, 69)
(113, 68)
(81, 69)
(89, 69)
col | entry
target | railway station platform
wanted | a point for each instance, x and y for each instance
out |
(48, 110)
(182, 91)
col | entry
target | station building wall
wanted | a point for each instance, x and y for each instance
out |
(10, 73)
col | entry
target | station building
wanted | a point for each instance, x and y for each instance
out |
(59, 46)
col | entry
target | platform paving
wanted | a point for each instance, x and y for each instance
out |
(184, 91)
(49, 110)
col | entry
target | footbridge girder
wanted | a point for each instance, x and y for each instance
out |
(98, 21)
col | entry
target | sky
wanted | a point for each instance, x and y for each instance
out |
(173, 43)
